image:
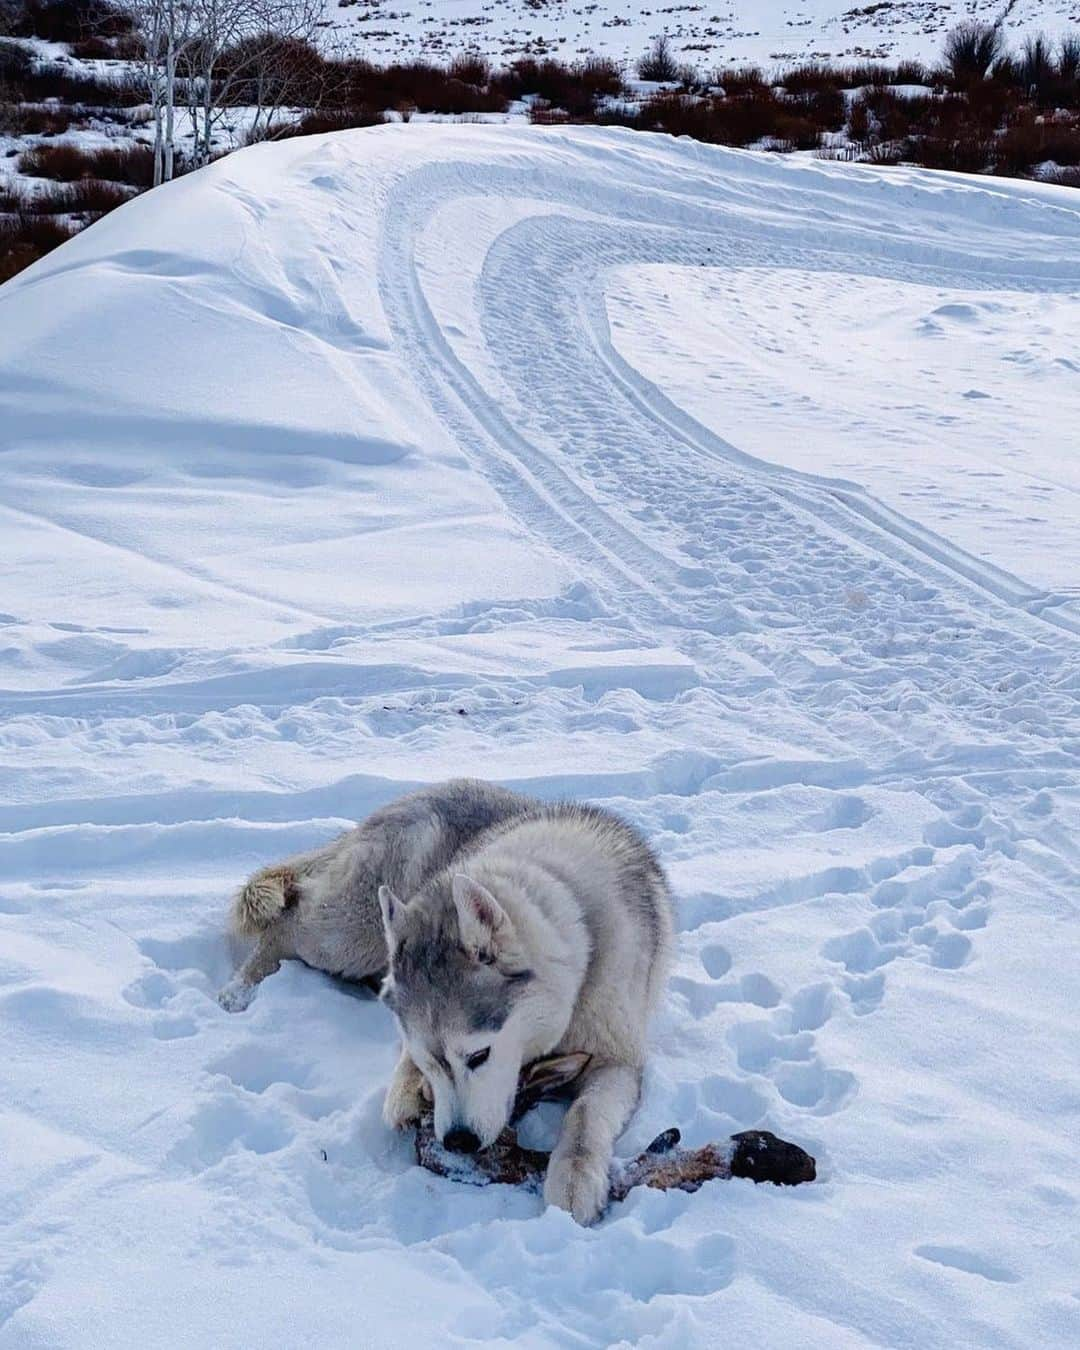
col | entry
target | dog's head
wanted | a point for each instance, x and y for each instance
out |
(460, 987)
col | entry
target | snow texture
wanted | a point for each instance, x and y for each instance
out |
(709, 35)
(732, 492)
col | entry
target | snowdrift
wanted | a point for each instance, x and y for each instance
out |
(737, 493)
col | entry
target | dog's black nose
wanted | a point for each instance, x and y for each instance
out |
(458, 1140)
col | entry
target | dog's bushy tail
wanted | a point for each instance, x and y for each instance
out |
(260, 901)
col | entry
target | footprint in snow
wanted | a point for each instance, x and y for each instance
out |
(970, 1262)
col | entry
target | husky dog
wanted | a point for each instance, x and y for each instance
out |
(549, 934)
(513, 931)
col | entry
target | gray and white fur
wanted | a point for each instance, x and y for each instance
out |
(512, 930)
(322, 907)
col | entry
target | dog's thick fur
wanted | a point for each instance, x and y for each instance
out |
(322, 907)
(512, 930)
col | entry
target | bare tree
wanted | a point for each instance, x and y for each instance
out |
(210, 55)
(166, 30)
(246, 52)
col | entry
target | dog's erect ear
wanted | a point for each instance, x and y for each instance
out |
(548, 1075)
(482, 921)
(544, 1078)
(391, 908)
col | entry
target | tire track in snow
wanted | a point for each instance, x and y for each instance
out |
(584, 407)
(558, 246)
(536, 489)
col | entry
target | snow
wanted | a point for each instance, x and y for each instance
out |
(595, 463)
(966, 390)
(731, 32)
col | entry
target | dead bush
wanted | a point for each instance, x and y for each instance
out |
(894, 116)
(69, 20)
(1068, 64)
(971, 51)
(1032, 140)
(572, 88)
(742, 121)
(824, 108)
(31, 119)
(67, 163)
(26, 238)
(426, 87)
(810, 78)
(89, 195)
(858, 123)
(269, 71)
(83, 88)
(318, 123)
(678, 115)
(744, 80)
(15, 63)
(544, 114)
(122, 47)
(793, 132)
(968, 150)
(471, 68)
(659, 62)
(865, 73)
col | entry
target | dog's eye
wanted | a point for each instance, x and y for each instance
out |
(480, 1057)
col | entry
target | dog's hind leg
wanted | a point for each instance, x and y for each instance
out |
(268, 955)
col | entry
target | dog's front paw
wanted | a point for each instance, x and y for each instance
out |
(404, 1101)
(579, 1185)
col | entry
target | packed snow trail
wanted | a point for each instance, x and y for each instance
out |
(360, 461)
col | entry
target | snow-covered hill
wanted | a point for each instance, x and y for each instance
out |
(728, 32)
(737, 493)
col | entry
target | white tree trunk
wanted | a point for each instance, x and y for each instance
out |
(170, 105)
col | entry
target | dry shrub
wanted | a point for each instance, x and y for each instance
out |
(543, 114)
(471, 68)
(270, 70)
(744, 80)
(810, 78)
(572, 88)
(824, 108)
(968, 150)
(69, 20)
(26, 238)
(893, 116)
(28, 119)
(67, 163)
(15, 62)
(89, 195)
(1032, 140)
(122, 47)
(83, 88)
(318, 123)
(732, 121)
(858, 123)
(678, 115)
(742, 121)
(971, 51)
(659, 62)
